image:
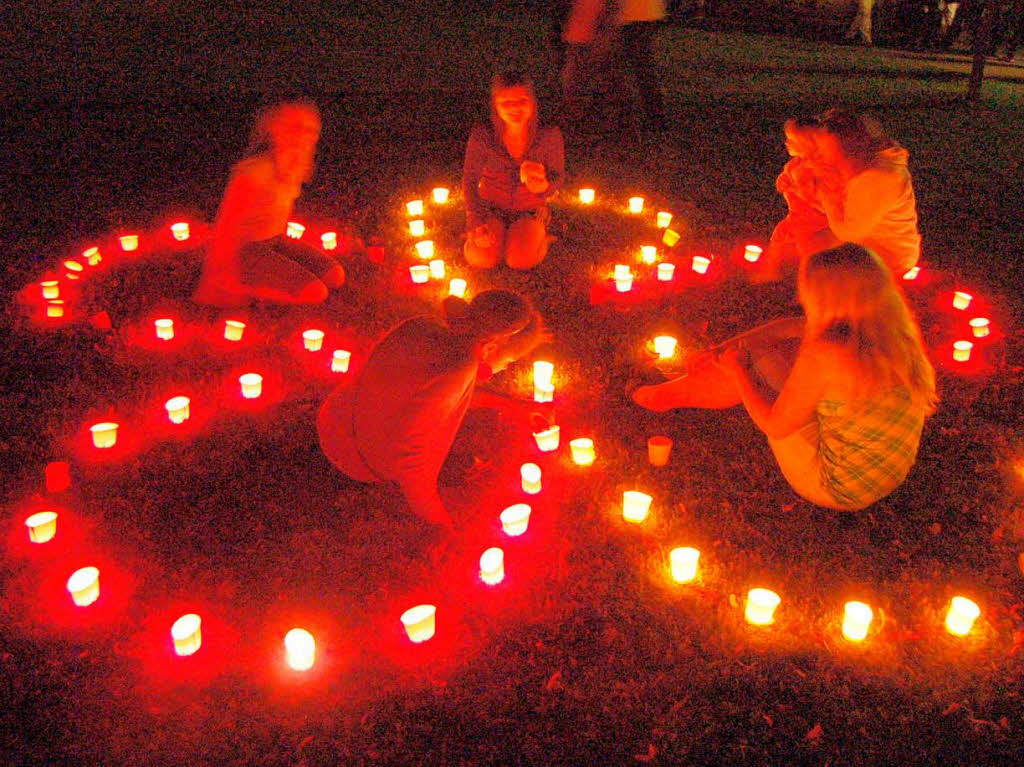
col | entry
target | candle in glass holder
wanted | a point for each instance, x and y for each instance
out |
(252, 385)
(962, 350)
(129, 242)
(624, 284)
(701, 264)
(543, 393)
(635, 505)
(414, 207)
(961, 616)
(492, 566)
(457, 287)
(666, 272)
(664, 218)
(425, 249)
(299, 649)
(329, 240)
(104, 435)
(683, 562)
(55, 308)
(586, 196)
(543, 373)
(658, 450)
(437, 268)
(636, 204)
(164, 329)
(761, 604)
(961, 300)
(233, 330)
(911, 273)
(582, 451)
(417, 228)
(84, 586)
(313, 339)
(177, 409)
(979, 326)
(752, 253)
(856, 620)
(670, 238)
(187, 634)
(294, 230)
(531, 478)
(420, 622)
(420, 273)
(50, 288)
(548, 439)
(42, 526)
(665, 346)
(648, 253)
(92, 255)
(340, 361)
(180, 231)
(515, 519)
(440, 194)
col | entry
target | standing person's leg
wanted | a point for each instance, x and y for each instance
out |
(325, 267)
(526, 242)
(267, 273)
(637, 41)
(487, 256)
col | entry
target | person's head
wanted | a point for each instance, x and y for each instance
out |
(499, 325)
(850, 140)
(513, 103)
(289, 133)
(801, 134)
(851, 299)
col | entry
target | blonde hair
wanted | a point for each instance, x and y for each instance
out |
(860, 136)
(852, 301)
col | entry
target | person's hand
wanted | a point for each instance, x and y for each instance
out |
(482, 236)
(733, 361)
(533, 175)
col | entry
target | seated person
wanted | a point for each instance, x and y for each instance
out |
(841, 395)
(398, 421)
(248, 255)
(512, 168)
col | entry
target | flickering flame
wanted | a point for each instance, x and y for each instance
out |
(665, 346)
(425, 249)
(548, 440)
(543, 393)
(979, 326)
(961, 300)
(670, 238)
(911, 273)
(962, 350)
(129, 242)
(437, 268)
(55, 308)
(50, 288)
(543, 373)
(648, 253)
(666, 272)
(752, 253)
(624, 284)
(92, 255)
(417, 228)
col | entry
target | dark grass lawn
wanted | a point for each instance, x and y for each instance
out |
(587, 654)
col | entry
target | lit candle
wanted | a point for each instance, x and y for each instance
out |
(420, 273)
(492, 566)
(42, 526)
(313, 339)
(582, 450)
(962, 350)
(50, 288)
(543, 373)
(586, 196)
(437, 269)
(92, 255)
(664, 219)
(329, 240)
(294, 230)
(658, 450)
(340, 361)
(648, 253)
(457, 287)
(417, 228)
(622, 271)
(856, 620)
(665, 346)
(624, 284)
(701, 264)
(635, 505)
(684, 564)
(752, 253)
(911, 273)
(84, 586)
(441, 194)
(299, 649)
(187, 634)
(233, 330)
(979, 326)
(55, 308)
(414, 207)
(761, 604)
(419, 622)
(104, 435)
(961, 300)
(961, 616)
(548, 440)
(129, 242)
(515, 519)
(670, 238)
(543, 393)
(180, 231)
(252, 385)
(666, 272)
(425, 249)
(530, 473)
(164, 329)
(177, 409)
(636, 204)
(74, 268)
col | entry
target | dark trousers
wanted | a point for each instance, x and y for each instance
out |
(637, 49)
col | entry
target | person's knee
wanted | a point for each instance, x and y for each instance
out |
(482, 258)
(314, 292)
(526, 246)
(334, 277)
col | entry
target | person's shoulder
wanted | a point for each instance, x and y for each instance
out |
(257, 169)
(481, 134)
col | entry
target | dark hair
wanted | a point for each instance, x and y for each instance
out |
(860, 136)
(513, 78)
(496, 313)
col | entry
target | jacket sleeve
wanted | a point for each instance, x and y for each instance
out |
(868, 197)
(554, 162)
(472, 170)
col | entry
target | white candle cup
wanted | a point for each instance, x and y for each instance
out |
(312, 339)
(294, 230)
(42, 526)
(492, 566)
(531, 478)
(658, 450)
(857, 618)
(187, 634)
(664, 218)
(586, 196)
(417, 228)
(129, 242)
(437, 268)
(979, 327)
(635, 506)
(252, 385)
(420, 622)
(624, 284)
(636, 205)
(50, 288)
(701, 264)
(420, 273)
(414, 207)
(457, 287)
(329, 240)
(74, 268)
(911, 273)
(543, 393)
(55, 308)
(543, 373)
(180, 231)
(164, 329)
(92, 255)
(622, 272)
(665, 346)
(961, 616)
(761, 604)
(582, 451)
(104, 435)
(177, 409)
(961, 300)
(752, 253)
(548, 439)
(299, 649)
(670, 238)
(962, 350)
(84, 586)
(440, 194)
(425, 249)
(233, 330)
(683, 562)
(666, 272)
(340, 361)
(515, 519)
(648, 253)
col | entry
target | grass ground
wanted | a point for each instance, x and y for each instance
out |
(587, 654)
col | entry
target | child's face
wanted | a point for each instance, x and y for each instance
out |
(514, 105)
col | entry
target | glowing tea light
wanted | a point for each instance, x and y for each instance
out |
(761, 604)
(164, 329)
(417, 228)
(457, 287)
(658, 450)
(665, 346)
(666, 272)
(437, 269)
(635, 505)
(92, 255)
(515, 519)
(55, 308)
(129, 242)
(84, 586)
(648, 253)
(42, 526)
(587, 196)
(294, 230)
(233, 330)
(180, 231)
(622, 271)
(961, 616)
(50, 288)
(74, 269)
(548, 439)
(299, 649)
(252, 385)
(492, 566)
(543, 393)
(531, 477)
(961, 300)
(856, 620)
(440, 194)
(636, 204)
(962, 350)
(177, 409)
(664, 218)
(979, 326)
(624, 284)
(420, 622)
(670, 238)
(420, 273)
(313, 339)
(543, 373)
(425, 249)
(187, 634)
(683, 562)
(414, 207)
(104, 435)
(752, 253)
(329, 240)
(582, 451)
(340, 361)
(701, 264)
(911, 273)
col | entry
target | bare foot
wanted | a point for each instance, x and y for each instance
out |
(652, 398)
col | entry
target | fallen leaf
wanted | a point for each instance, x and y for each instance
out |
(815, 732)
(768, 719)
